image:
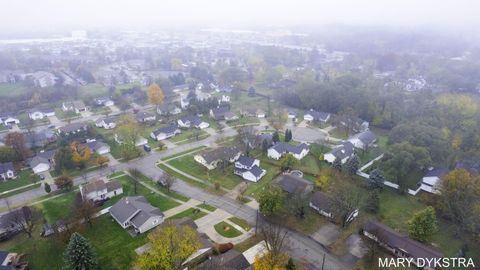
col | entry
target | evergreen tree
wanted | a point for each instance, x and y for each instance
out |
(352, 165)
(288, 135)
(373, 202)
(375, 180)
(79, 254)
(275, 137)
(337, 164)
(423, 224)
(290, 265)
(47, 188)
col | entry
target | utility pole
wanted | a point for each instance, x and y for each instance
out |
(323, 261)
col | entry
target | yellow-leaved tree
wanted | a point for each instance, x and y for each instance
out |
(270, 262)
(170, 247)
(81, 154)
(155, 94)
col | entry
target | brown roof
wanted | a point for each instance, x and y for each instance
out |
(95, 186)
(397, 240)
(113, 185)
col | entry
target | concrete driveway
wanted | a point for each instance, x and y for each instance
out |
(326, 235)
(307, 134)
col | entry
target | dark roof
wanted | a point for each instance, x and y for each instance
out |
(246, 161)
(438, 172)
(397, 240)
(319, 116)
(3, 256)
(136, 206)
(367, 137)
(141, 116)
(220, 153)
(256, 171)
(95, 145)
(282, 148)
(264, 136)
(291, 183)
(42, 158)
(322, 201)
(469, 165)
(94, 186)
(343, 150)
(193, 119)
(5, 167)
(219, 113)
(233, 260)
(113, 185)
(167, 130)
(73, 127)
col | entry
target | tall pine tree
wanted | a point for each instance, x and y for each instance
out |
(352, 165)
(79, 254)
(275, 137)
(337, 164)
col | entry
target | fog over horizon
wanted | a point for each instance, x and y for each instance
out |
(53, 15)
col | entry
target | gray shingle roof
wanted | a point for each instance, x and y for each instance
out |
(342, 151)
(220, 153)
(283, 148)
(5, 167)
(137, 209)
(246, 161)
(367, 137)
(290, 183)
(167, 130)
(322, 201)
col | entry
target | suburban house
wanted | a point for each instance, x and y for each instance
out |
(100, 190)
(222, 113)
(73, 128)
(36, 114)
(40, 138)
(431, 181)
(165, 132)
(314, 116)
(168, 109)
(192, 121)
(357, 124)
(343, 151)
(398, 244)
(98, 147)
(212, 158)
(280, 149)
(144, 117)
(248, 168)
(231, 260)
(43, 79)
(292, 184)
(138, 142)
(292, 114)
(9, 119)
(7, 171)
(363, 140)
(76, 106)
(103, 101)
(325, 206)
(136, 212)
(106, 123)
(43, 161)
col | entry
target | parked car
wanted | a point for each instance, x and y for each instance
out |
(147, 148)
(161, 182)
(51, 126)
(42, 177)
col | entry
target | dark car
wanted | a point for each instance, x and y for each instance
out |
(42, 177)
(147, 148)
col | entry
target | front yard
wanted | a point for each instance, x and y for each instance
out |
(24, 178)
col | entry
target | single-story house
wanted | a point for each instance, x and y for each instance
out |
(431, 181)
(36, 113)
(9, 119)
(291, 184)
(343, 151)
(230, 260)
(400, 245)
(136, 212)
(363, 140)
(99, 147)
(168, 109)
(222, 113)
(100, 190)
(144, 117)
(7, 171)
(165, 132)
(192, 121)
(73, 128)
(314, 116)
(40, 138)
(76, 106)
(106, 123)
(43, 161)
(280, 149)
(249, 168)
(292, 114)
(104, 101)
(325, 206)
(212, 158)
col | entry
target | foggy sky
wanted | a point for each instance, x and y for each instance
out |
(51, 14)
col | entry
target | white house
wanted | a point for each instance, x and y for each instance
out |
(192, 121)
(363, 140)
(431, 181)
(104, 101)
(249, 169)
(280, 149)
(106, 123)
(99, 147)
(165, 132)
(76, 106)
(43, 161)
(168, 109)
(7, 171)
(36, 114)
(99, 190)
(212, 158)
(325, 206)
(313, 115)
(8, 119)
(343, 151)
(136, 212)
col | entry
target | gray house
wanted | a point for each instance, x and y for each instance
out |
(7, 171)
(136, 212)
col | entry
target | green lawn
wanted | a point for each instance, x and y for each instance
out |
(60, 114)
(182, 177)
(254, 189)
(12, 90)
(187, 135)
(185, 152)
(188, 165)
(207, 207)
(192, 213)
(226, 230)
(59, 207)
(162, 189)
(23, 178)
(240, 222)
(92, 90)
(339, 133)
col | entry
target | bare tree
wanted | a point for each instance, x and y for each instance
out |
(168, 181)
(275, 238)
(24, 219)
(135, 174)
(84, 209)
(298, 203)
(346, 200)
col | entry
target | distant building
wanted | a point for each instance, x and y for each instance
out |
(293, 184)
(43, 161)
